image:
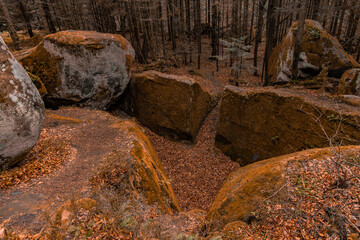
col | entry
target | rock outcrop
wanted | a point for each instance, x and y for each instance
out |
(21, 110)
(256, 124)
(86, 69)
(350, 82)
(319, 49)
(246, 189)
(168, 104)
(144, 172)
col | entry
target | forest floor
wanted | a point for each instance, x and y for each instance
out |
(71, 146)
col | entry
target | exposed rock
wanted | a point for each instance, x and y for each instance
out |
(3, 234)
(168, 104)
(21, 110)
(256, 124)
(125, 172)
(350, 99)
(246, 189)
(145, 174)
(350, 82)
(81, 68)
(38, 84)
(319, 49)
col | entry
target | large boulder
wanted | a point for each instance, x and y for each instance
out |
(82, 68)
(256, 124)
(168, 104)
(319, 49)
(248, 188)
(350, 82)
(21, 110)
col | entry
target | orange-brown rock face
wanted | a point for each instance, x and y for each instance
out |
(168, 104)
(256, 124)
(144, 170)
(82, 68)
(319, 49)
(246, 189)
(21, 110)
(350, 82)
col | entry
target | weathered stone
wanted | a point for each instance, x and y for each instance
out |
(246, 189)
(21, 110)
(256, 124)
(82, 68)
(144, 170)
(38, 84)
(319, 49)
(168, 104)
(350, 82)
(350, 99)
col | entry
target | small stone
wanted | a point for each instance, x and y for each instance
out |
(65, 218)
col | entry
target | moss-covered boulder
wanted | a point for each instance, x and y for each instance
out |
(319, 49)
(248, 188)
(168, 104)
(38, 84)
(256, 124)
(82, 68)
(21, 110)
(350, 82)
(136, 172)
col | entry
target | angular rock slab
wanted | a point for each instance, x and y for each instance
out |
(82, 68)
(256, 124)
(246, 189)
(21, 110)
(319, 49)
(168, 104)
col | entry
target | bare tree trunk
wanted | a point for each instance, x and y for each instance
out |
(198, 29)
(47, 15)
(270, 29)
(10, 25)
(234, 17)
(298, 37)
(26, 18)
(260, 24)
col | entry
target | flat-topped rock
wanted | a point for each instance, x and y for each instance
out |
(82, 68)
(256, 124)
(168, 104)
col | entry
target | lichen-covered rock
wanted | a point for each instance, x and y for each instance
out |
(21, 110)
(246, 189)
(143, 173)
(82, 68)
(319, 49)
(168, 104)
(350, 82)
(256, 124)
(38, 84)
